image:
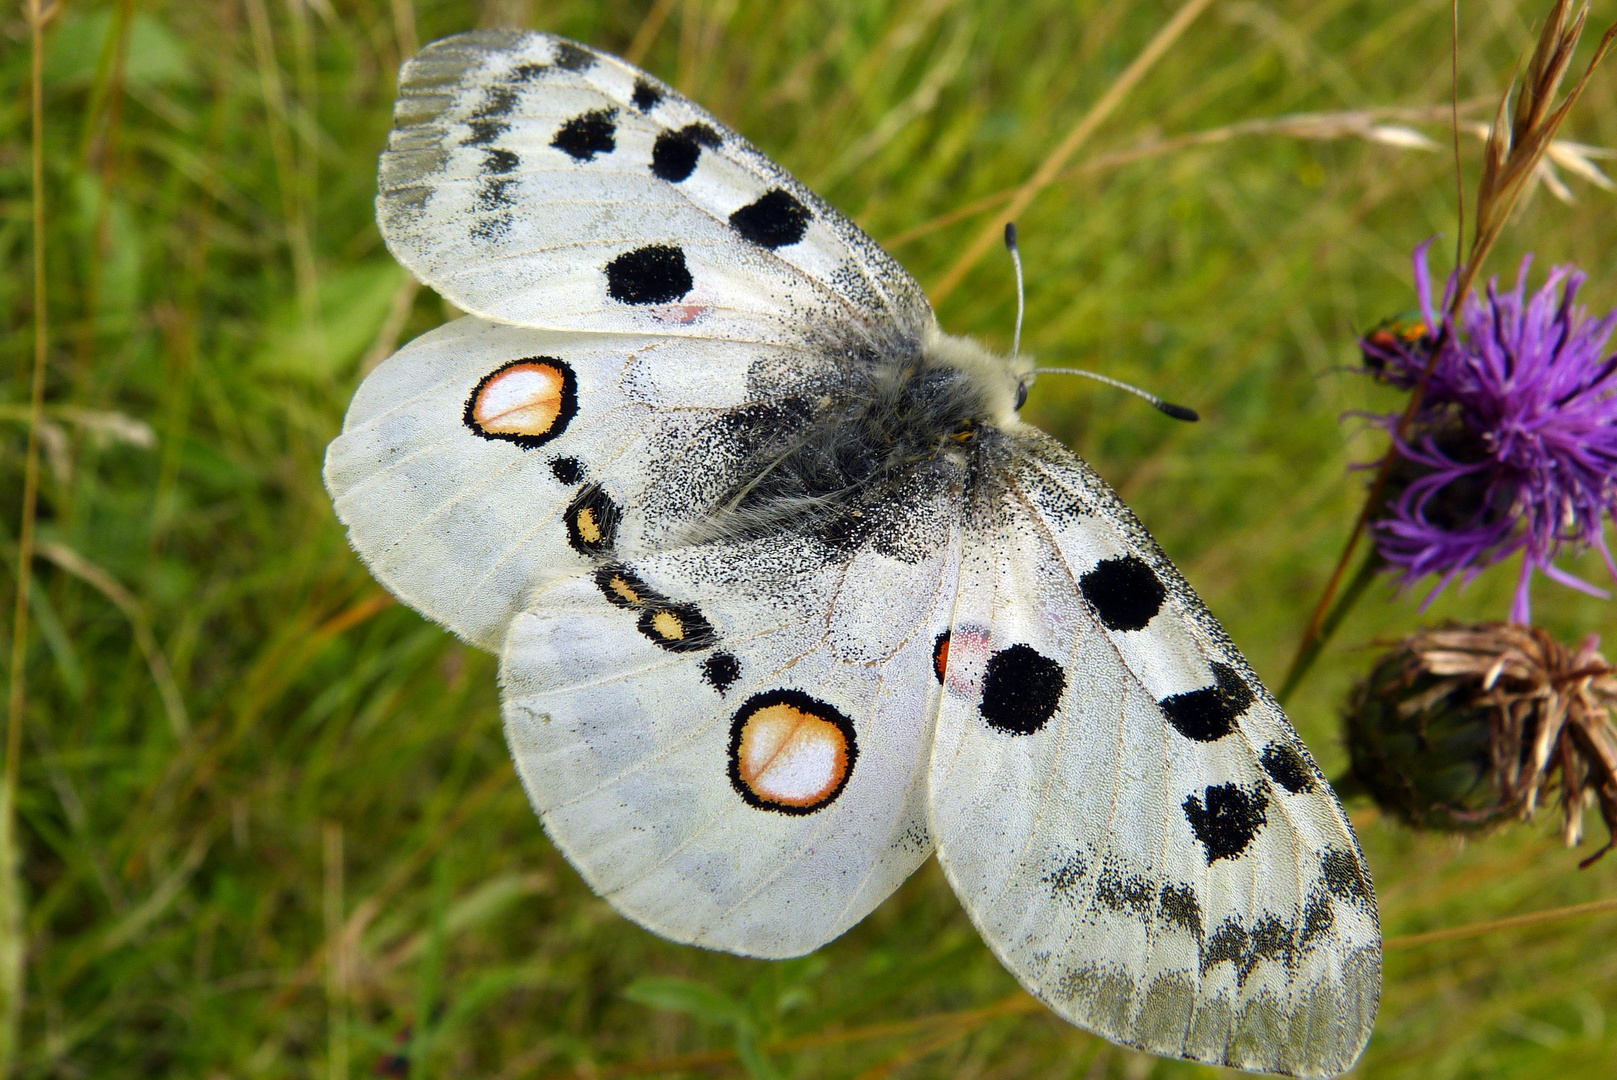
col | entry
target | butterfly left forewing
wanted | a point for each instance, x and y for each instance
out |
(729, 740)
(1122, 808)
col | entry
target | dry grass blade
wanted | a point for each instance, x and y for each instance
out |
(125, 601)
(13, 944)
(959, 1023)
(1511, 160)
(1492, 926)
(1051, 167)
(1371, 125)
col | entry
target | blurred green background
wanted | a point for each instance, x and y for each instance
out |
(267, 819)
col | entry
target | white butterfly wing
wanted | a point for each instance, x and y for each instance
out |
(535, 181)
(729, 741)
(482, 460)
(1124, 810)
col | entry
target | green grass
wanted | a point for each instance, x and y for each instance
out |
(335, 762)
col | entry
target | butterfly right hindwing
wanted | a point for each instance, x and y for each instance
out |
(729, 740)
(1122, 808)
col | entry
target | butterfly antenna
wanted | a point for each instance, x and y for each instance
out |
(1016, 261)
(1178, 412)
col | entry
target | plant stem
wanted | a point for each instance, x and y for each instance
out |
(11, 899)
(1493, 208)
(1304, 660)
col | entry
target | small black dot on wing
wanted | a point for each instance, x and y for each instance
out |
(646, 96)
(1226, 818)
(588, 134)
(485, 131)
(495, 194)
(1021, 690)
(1287, 767)
(654, 274)
(720, 671)
(1125, 592)
(1179, 907)
(675, 153)
(568, 470)
(775, 220)
(940, 656)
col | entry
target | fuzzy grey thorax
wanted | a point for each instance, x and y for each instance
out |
(1000, 381)
(897, 421)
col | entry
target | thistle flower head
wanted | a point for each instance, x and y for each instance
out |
(1514, 446)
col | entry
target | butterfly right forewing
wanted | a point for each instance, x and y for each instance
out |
(533, 180)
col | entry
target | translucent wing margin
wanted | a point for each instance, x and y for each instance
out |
(533, 180)
(1122, 807)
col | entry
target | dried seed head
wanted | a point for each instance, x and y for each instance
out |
(1464, 727)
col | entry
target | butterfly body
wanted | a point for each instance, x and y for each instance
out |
(787, 597)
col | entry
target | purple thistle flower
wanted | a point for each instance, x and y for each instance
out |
(1514, 447)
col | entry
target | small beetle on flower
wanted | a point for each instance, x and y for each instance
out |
(1514, 445)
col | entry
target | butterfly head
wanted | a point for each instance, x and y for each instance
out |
(1001, 382)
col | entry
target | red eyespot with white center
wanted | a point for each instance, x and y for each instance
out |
(527, 402)
(790, 752)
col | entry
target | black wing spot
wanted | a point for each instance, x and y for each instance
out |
(1344, 877)
(570, 57)
(1125, 592)
(1132, 894)
(1317, 921)
(675, 153)
(1209, 714)
(1021, 690)
(1228, 942)
(500, 101)
(485, 131)
(495, 194)
(940, 656)
(569, 470)
(591, 133)
(1179, 907)
(1068, 876)
(1226, 818)
(500, 161)
(592, 521)
(720, 671)
(775, 220)
(655, 274)
(1287, 767)
(646, 95)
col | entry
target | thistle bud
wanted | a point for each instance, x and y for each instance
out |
(1461, 728)
(1420, 745)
